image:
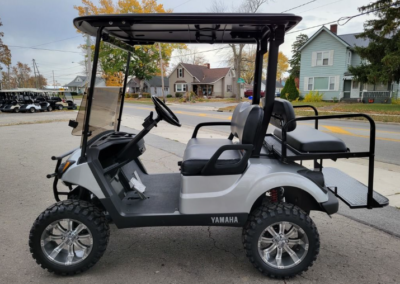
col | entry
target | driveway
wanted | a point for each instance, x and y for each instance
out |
(351, 252)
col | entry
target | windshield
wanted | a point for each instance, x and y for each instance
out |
(68, 96)
(104, 112)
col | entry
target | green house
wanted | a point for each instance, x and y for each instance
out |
(325, 59)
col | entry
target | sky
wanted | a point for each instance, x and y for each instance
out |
(47, 24)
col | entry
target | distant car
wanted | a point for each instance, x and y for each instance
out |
(249, 93)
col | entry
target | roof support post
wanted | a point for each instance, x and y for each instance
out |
(262, 48)
(85, 133)
(276, 39)
(128, 61)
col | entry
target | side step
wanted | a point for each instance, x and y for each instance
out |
(351, 191)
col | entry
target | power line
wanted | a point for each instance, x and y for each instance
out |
(181, 4)
(346, 19)
(320, 6)
(68, 51)
(298, 6)
(200, 52)
(55, 41)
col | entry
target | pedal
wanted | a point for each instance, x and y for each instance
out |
(137, 185)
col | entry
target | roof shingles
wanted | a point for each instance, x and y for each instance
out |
(205, 75)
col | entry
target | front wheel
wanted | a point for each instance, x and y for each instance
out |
(281, 240)
(69, 237)
(16, 110)
(32, 109)
(60, 107)
(49, 108)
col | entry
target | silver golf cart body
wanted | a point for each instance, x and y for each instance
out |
(237, 181)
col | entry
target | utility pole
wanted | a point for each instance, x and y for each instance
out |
(34, 71)
(8, 71)
(37, 69)
(88, 53)
(54, 82)
(162, 71)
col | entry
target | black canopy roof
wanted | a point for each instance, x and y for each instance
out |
(186, 28)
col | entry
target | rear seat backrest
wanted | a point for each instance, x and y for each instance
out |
(282, 113)
(246, 122)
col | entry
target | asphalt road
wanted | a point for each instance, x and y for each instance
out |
(354, 133)
(351, 252)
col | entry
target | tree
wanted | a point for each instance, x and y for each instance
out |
(5, 54)
(248, 67)
(301, 39)
(247, 6)
(190, 56)
(290, 91)
(112, 60)
(282, 66)
(381, 62)
(21, 73)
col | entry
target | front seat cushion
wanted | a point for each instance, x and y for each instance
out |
(196, 156)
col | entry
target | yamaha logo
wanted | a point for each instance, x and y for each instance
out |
(224, 220)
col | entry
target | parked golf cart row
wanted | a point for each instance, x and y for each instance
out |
(34, 100)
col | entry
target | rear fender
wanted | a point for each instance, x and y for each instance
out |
(285, 180)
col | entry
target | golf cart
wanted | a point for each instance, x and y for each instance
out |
(253, 179)
(13, 103)
(35, 102)
(62, 100)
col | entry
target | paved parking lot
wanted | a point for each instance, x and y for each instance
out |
(351, 252)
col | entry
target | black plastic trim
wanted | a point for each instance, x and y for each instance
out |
(332, 205)
(198, 126)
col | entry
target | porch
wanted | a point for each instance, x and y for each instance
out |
(366, 92)
(203, 89)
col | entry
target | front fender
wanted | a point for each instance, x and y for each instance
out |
(284, 179)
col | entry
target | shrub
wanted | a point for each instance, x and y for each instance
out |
(169, 96)
(395, 101)
(74, 93)
(335, 100)
(313, 97)
(146, 95)
(290, 92)
(178, 95)
(135, 96)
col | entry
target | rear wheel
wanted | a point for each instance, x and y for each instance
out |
(49, 108)
(16, 110)
(60, 107)
(281, 240)
(32, 109)
(69, 237)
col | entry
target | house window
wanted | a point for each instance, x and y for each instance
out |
(229, 88)
(322, 58)
(180, 73)
(349, 58)
(310, 84)
(321, 84)
(180, 87)
(331, 83)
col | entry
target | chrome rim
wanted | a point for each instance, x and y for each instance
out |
(283, 245)
(66, 242)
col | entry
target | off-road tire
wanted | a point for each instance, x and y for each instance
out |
(268, 214)
(84, 212)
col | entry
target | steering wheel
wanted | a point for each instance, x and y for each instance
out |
(164, 112)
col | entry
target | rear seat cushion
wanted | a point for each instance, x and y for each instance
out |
(197, 155)
(307, 139)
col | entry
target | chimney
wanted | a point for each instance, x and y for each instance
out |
(207, 65)
(334, 29)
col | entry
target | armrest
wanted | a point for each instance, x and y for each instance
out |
(315, 112)
(211, 167)
(198, 126)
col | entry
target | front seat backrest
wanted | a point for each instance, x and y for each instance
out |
(246, 122)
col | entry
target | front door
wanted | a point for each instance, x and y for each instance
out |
(355, 89)
(346, 89)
